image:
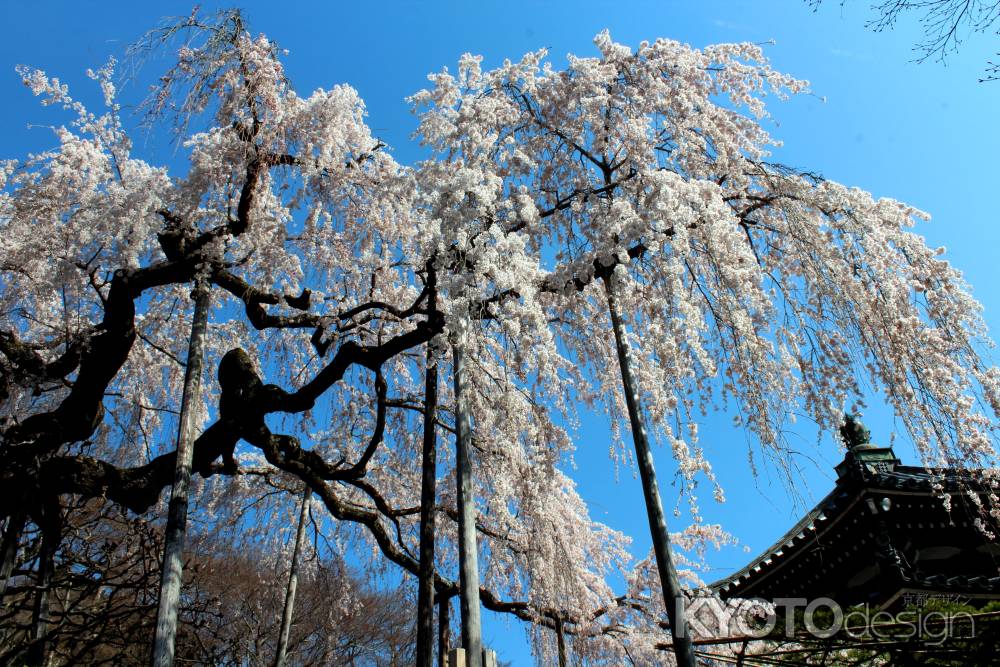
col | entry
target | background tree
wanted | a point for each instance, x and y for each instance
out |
(945, 24)
(104, 594)
(289, 204)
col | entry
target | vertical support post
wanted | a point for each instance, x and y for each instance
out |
(673, 596)
(8, 549)
(444, 629)
(561, 641)
(293, 580)
(173, 547)
(50, 524)
(428, 496)
(467, 551)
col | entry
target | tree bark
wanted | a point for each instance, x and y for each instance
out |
(50, 523)
(293, 580)
(468, 554)
(8, 550)
(174, 538)
(428, 498)
(673, 596)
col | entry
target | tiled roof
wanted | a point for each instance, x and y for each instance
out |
(848, 492)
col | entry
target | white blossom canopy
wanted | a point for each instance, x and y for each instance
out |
(740, 281)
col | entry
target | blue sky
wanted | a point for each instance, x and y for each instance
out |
(925, 134)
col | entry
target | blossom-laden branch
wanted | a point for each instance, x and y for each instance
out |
(738, 281)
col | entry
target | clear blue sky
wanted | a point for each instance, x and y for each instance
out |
(925, 134)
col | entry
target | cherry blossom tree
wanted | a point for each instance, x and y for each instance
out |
(302, 225)
(609, 235)
(741, 280)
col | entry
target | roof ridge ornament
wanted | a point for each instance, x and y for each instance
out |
(863, 459)
(853, 432)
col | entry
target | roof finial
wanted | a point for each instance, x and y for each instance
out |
(853, 432)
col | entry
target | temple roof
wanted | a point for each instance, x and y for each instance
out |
(878, 522)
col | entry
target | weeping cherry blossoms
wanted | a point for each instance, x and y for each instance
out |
(634, 184)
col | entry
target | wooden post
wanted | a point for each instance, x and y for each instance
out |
(8, 549)
(456, 657)
(673, 596)
(444, 629)
(174, 538)
(428, 497)
(293, 580)
(50, 524)
(459, 657)
(561, 641)
(468, 555)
